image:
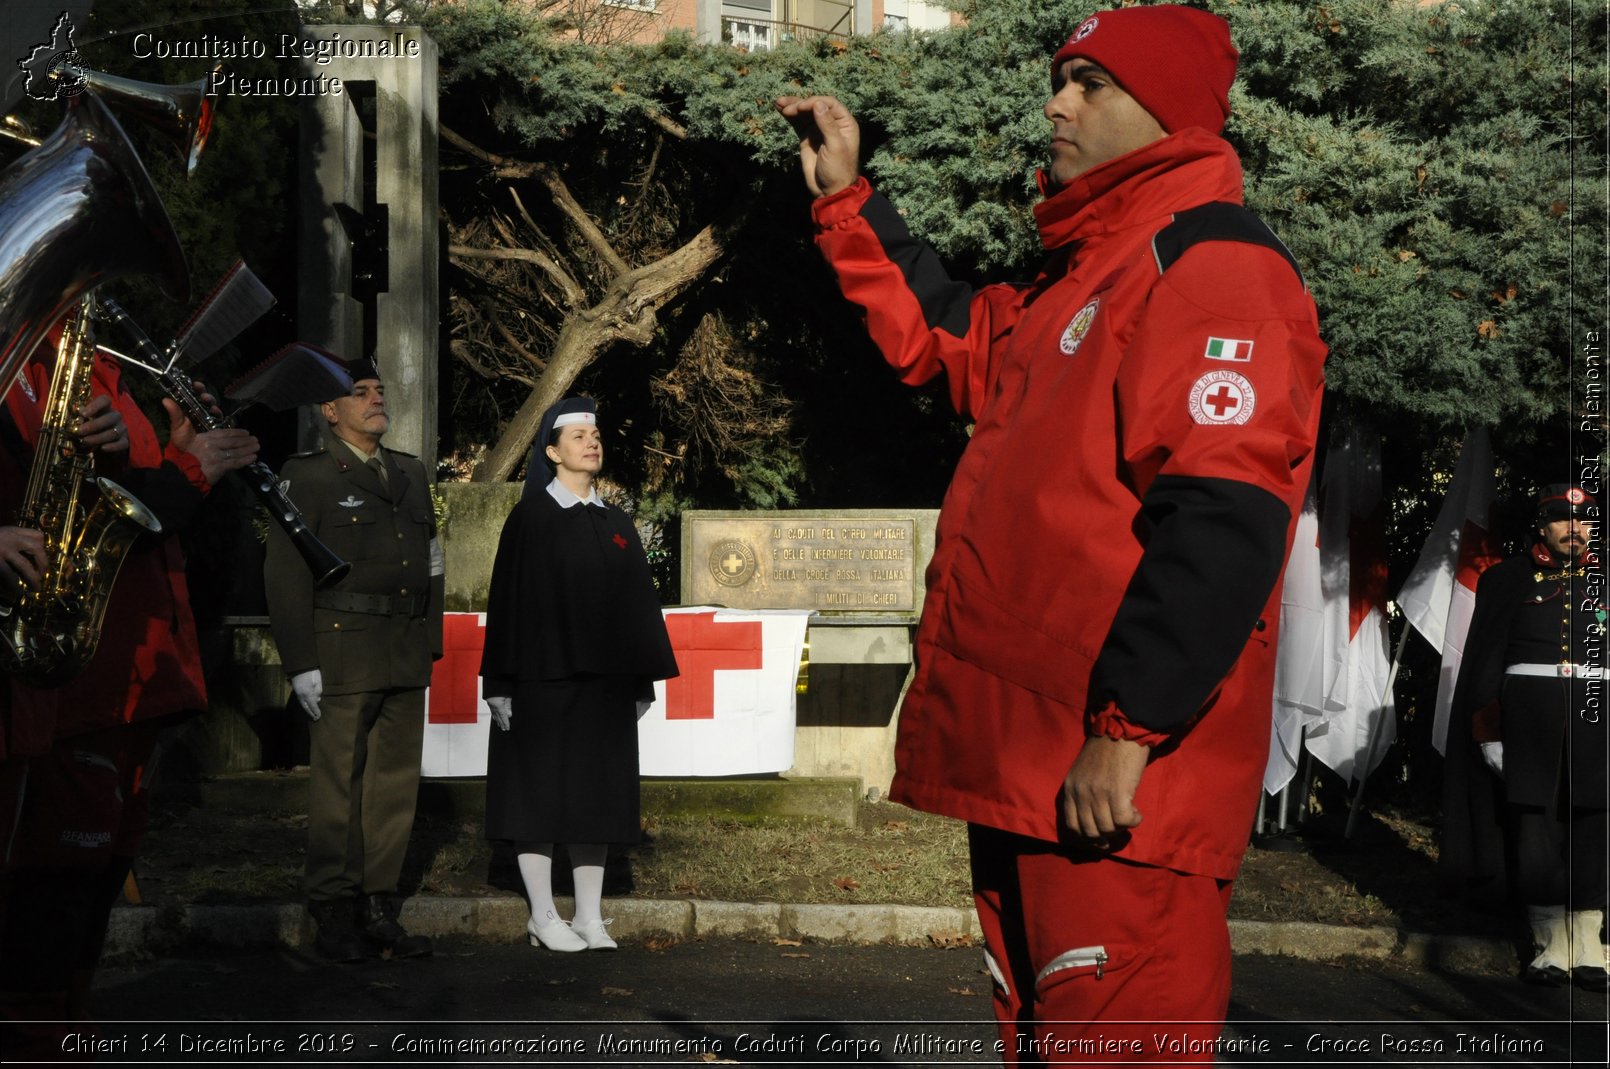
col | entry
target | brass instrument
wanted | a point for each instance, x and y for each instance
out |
(327, 568)
(181, 113)
(78, 211)
(88, 522)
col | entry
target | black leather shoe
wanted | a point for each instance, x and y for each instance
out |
(1591, 978)
(1546, 975)
(377, 917)
(338, 938)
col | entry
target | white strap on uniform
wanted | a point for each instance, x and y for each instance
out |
(1556, 671)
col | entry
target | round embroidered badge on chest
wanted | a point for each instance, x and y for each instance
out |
(1079, 326)
(1222, 397)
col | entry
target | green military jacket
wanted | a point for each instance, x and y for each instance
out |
(381, 626)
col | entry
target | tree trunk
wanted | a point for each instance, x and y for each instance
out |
(628, 312)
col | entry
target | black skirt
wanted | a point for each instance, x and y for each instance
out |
(566, 770)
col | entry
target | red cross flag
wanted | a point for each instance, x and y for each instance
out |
(730, 712)
(456, 719)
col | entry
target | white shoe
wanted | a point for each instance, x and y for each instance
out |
(554, 934)
(595, 936)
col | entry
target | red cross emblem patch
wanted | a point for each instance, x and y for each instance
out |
(1222, 397)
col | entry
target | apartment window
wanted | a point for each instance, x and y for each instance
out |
(754, 36)
(634, 5)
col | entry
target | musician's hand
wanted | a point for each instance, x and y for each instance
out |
(222, 451)
(102, 427)
(22, 556)
(180, 429)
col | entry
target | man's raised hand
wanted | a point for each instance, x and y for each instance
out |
(829, 142)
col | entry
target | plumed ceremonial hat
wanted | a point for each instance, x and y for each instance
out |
(1177, 62)
(1561, 501)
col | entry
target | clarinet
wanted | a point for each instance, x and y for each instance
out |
(327, 568)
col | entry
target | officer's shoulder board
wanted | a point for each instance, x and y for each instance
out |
(1215, 221)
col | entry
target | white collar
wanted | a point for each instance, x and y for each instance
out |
(560, 493)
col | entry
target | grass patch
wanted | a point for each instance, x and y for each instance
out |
(1384, 876)
(893, 855)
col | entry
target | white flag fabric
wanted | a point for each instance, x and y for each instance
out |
(1358, 722)
(1440, 594)
(729, 712)
(1428, 592)
(1299, 696)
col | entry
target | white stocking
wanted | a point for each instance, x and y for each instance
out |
(536, 872)
(587, 868)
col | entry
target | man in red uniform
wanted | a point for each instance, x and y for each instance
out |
(80, 811)
(1098, 638)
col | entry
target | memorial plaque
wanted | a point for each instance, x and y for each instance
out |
(856, 561)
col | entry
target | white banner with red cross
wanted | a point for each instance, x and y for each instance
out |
(729, 712)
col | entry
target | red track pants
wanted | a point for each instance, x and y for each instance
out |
(1100, 960)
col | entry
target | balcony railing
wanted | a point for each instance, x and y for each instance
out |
(762, 35)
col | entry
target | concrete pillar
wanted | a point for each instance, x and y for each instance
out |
(369, 191)
(707, 22)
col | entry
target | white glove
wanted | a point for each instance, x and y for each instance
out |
(309, 688)
(502, 711)
(1493, 754)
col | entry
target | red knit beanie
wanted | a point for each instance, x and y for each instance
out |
(1178, 62)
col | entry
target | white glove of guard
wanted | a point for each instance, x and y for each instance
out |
(1493, 754)
(502, 711)
(309, 688)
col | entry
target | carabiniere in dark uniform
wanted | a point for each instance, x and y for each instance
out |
(1525, 779)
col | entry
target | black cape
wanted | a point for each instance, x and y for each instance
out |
(571, 595)
(1472, 853)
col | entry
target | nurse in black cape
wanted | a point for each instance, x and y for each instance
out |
(574, 642)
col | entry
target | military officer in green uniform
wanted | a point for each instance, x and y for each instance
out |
(359, 657)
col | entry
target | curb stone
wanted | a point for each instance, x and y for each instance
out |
(137, 931)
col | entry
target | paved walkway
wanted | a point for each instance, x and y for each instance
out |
(139, 930)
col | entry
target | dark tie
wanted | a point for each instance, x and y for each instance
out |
(379, 467)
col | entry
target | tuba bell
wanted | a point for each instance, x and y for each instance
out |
(75, 213)
(181, 113)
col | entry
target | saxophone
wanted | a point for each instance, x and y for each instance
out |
(88, 522)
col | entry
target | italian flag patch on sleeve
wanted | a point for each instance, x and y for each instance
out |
(1229, 349)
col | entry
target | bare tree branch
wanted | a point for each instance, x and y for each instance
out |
(514, 343)
(668, 124)
(574, 295)
(504, 167)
